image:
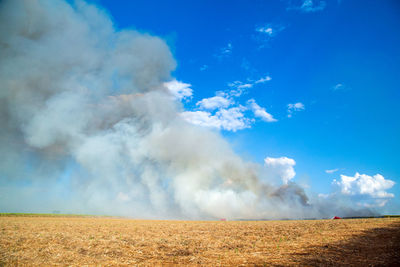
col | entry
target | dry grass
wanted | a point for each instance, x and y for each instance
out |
(110, 241)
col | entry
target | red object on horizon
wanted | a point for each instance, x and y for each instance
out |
(336, 217)
(223, 220)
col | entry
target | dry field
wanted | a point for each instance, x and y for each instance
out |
(111, 241)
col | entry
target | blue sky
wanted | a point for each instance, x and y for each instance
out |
(160, 97)
(339, 59)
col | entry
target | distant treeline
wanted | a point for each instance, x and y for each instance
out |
(368, 217)
(303, 219)
(11, 214)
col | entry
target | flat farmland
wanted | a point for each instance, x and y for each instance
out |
(114, 241)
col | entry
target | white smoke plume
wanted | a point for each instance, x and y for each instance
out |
(89, 126)
(283, 166)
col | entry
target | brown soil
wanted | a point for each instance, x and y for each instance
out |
(110, 241)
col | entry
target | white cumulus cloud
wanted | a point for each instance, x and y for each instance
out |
(260, 112)
(231, 119)
(295, 107)
(283, 166)
(214, 102)
(270, 30)
(362, 184)
(202, 118)
(179, 89)
(223, 112)
(267, 30)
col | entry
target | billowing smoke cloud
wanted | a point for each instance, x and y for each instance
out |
(88, 125)
(283, 166)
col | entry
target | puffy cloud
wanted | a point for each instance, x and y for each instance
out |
(282, 166)
(270, 30)
(267, 30)
(260, 112)
(202, 118)
(231, 119)
(214, 111)
(214, 102)
(178, 89)
(362, 184)
(295, 107)
(367, 193)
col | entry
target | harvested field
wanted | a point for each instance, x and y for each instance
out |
(112, 241)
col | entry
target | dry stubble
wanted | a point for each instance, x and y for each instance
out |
(111, 241)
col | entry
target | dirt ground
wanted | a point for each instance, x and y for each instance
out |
(112, 241)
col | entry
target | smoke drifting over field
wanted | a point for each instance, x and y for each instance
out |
(88, 126)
